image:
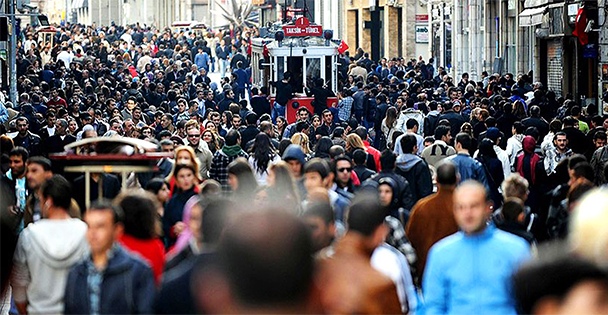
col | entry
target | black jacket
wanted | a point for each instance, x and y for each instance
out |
(127, 287)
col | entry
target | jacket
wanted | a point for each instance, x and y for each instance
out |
(407, 114)
(456, 120)
(127, 287)
(45, 253)
(471, 274)
(348, 274)
(219, 167)
(469, 168)
(436, 152)
(417, 173)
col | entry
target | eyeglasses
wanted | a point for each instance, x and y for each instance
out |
(193, 136)
(344, 169)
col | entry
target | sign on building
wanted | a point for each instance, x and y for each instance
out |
(422, 34)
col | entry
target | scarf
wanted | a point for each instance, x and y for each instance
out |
(231, 150)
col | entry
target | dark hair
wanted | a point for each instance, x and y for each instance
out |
(322, 147)
(336, 150)
(19, 151)
(247, 184)
(321, 210)
(359, 157)
(103, 204)
(585, 170)
(140, 213)
(575, 159)
(232, 137)
(441, 131)
(387, 160)
(263, 152)
(365, 214)
(216, 213)
(511, 209)
(411, 123)
(42, 161)
(283, 144)
(317, 165)
(361, 132)
(465, 140)
(408, 142)
(155, 184)
(59, 190)
(552, 277)
(446, 173)
(262, 266)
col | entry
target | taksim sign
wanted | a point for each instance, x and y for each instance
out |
(302, 27)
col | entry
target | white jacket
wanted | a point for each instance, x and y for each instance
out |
(45, 252)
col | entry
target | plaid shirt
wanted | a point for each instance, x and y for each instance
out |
(344, 108)
(219, 167)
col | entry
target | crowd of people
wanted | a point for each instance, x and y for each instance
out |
(413, 193)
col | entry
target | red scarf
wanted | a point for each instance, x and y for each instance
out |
(533, 161)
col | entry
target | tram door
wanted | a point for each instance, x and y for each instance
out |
(295, 65)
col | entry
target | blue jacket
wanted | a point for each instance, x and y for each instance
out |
(468, 274)
(127, 287)
(469, 168)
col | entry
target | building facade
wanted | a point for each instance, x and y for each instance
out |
(387, 28)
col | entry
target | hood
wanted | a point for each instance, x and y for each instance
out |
(294, 152)
(529, 144)
(68, 243)
(406, 162)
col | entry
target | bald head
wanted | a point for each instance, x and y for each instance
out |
(472, 208)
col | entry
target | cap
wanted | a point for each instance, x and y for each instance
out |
(493, 133)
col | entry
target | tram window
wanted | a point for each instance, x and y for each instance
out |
(295, 66)
(313, 70)
(328, 71)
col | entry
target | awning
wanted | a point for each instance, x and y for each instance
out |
(531, 17)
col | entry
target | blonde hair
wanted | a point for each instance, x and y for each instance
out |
(301, 139)
(195, 161)
(588, 234)
(355, 142)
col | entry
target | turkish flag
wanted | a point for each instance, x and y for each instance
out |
(579, 27)
(343, 47)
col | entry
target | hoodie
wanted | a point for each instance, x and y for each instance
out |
(42, 262)
(294, 152)
(417, 173)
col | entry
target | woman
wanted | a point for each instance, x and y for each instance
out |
(301, 139)
(262, 156)
(186, 186)
(519, 110)
(72, 126)
(354, 142)
(242, 182)
(211, 139)
(388, 125)
(187, 244)
(183, 155)
(493, 169)
(282, 189)
(322, 148)
(316, 121)
(281, 125)
(467, 128)
(139, 236)
(227, 120)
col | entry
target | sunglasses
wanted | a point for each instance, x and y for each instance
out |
(193, 136)
(345, 169)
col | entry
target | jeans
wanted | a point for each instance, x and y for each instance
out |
(223, 66)
(277, 110)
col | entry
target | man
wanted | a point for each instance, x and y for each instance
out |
(456, 120)
(48, 130)
(38, 172)
(441, 148)
(576, 138)
(317, 174)
(535, 120)
(16, 180)
(251, 130)
(295, 157)
(599, 157)
(60, 139)
(359, 159)
(110, 188)
(558, 153)
(494, 135)
(230, 152)
(412, 129)
(362, 133)
(301, 115)
(404, 191)
(432, 217)
(267, 128)
(328, 122)
(414, 168)
(343, 183)
(455, 265)
(116, 281)
(261, 270)
(200, 148)
(24, 138)
(319, 218)
(46, 251)
(284, 94)
(348, 274)
(467, 167)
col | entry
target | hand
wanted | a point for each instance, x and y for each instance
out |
(179, 227)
